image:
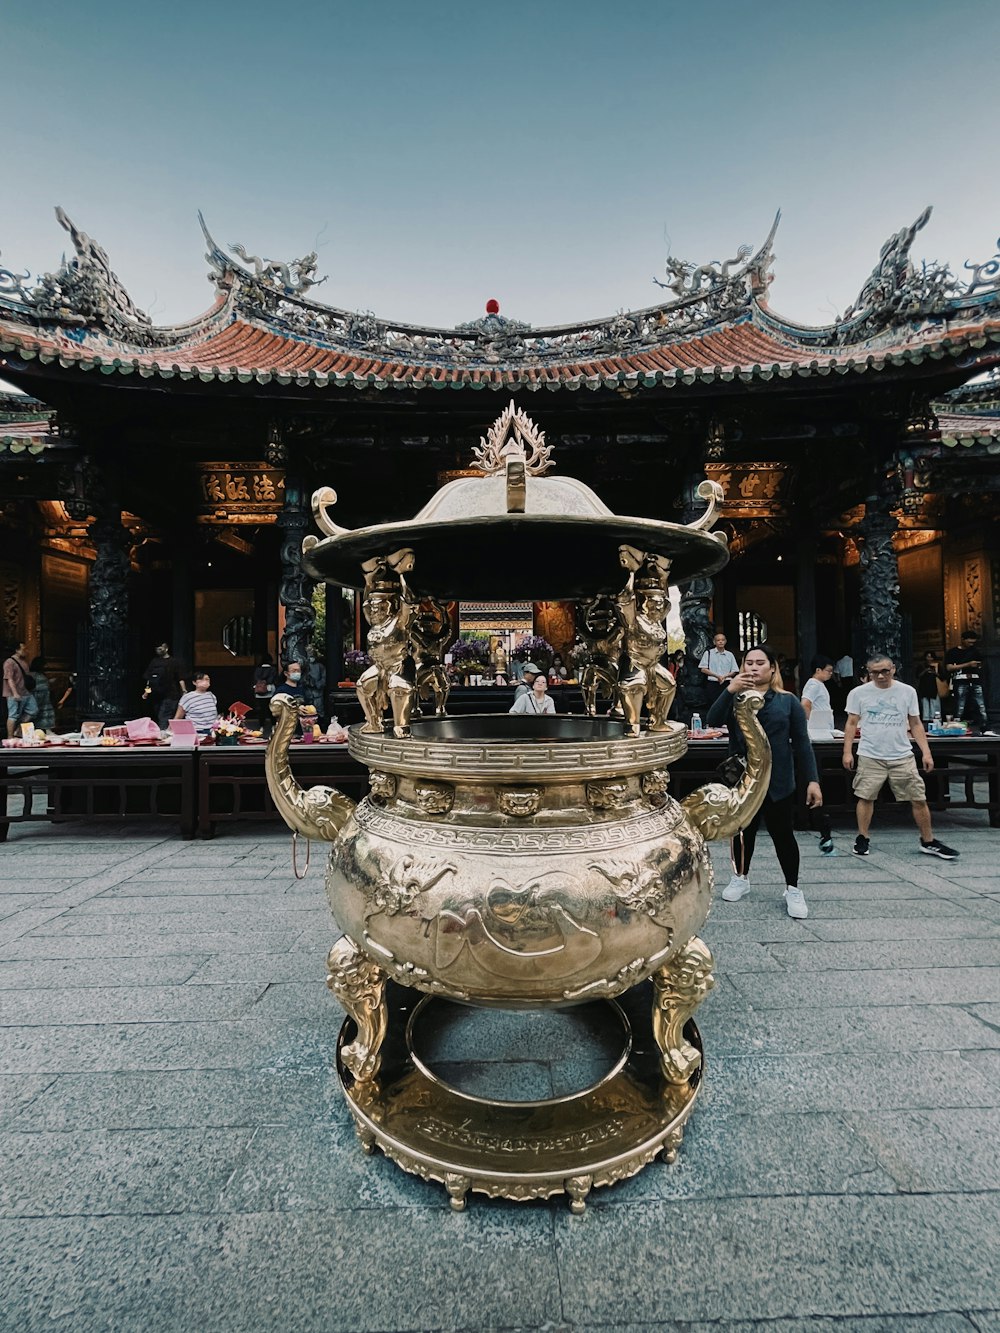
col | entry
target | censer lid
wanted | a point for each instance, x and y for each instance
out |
(514, 533)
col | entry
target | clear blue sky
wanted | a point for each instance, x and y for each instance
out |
(548, 154)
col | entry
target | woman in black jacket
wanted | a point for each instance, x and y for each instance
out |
(792, 758)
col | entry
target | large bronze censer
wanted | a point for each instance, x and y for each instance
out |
(518, 862)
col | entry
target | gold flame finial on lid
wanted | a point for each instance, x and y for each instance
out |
(513, 435)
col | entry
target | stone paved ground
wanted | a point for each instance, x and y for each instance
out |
(175, 1154)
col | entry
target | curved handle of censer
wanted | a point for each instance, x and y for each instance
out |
(317, 812)
(718, 811)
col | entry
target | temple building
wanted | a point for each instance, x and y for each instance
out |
(156, 481)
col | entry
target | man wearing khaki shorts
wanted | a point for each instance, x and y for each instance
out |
(889, 714)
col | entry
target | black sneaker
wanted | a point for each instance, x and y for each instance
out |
(826, 846)
(935, 848)
(861, 845)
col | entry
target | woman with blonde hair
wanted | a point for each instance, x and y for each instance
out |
(784, 723)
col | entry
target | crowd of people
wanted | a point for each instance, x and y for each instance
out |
(169, 692)
(884, 715)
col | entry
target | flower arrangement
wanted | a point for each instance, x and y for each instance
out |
(356, 662)
(229, 731)
(579, 655)
(533, 648)
(470, 656)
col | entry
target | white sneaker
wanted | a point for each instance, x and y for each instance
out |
(736, 889)
(795, 904)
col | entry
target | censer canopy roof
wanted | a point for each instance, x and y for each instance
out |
(514, 533)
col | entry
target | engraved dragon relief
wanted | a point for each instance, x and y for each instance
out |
(640, 888)
(407, 879)
(518, 932)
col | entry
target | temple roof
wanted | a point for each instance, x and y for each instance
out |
(716, 326)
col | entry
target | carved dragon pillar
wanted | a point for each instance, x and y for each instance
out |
(696, 598)
(295, 590)
(881, 623)
(107, 622)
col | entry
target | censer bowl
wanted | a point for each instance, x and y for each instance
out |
(517, 861)
(474, 728)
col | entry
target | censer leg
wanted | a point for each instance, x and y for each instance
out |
(671, 1145)
(457, 1187)
(578, 1187)
(365, 1137)
(678, 989)
(359, 985)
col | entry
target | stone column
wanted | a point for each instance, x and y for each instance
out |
(295, 589)
(881, 623)
(107, 624)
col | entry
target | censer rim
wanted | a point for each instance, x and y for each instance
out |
(582, 562)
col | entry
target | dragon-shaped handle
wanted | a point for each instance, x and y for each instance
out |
(319, 812)
(718, 811)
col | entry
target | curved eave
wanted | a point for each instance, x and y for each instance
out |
(968, 430)
(236, 352)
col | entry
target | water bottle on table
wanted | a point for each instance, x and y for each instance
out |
(696, 722)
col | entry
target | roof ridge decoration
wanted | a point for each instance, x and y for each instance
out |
(721, 289)
(276, 294)
(83, 290)
(513, 436)
(898, 292)
(84, 303)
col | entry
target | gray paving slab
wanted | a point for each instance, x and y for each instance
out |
(11, 903)
(37, 885)
(69, 925)
(948, 1322)
(315, 1168)
(18, 1091)
(871, 1081)
(835, 1031)
(187, 908)
(986, 1063)
(964, 985)
(810, 956)
(771, 1155)
(263, 967)
(92, 1172)
(138, 1004)
(285, 1270)
(195, 884)
(963, 927)
(137, 943)
(62, 973)
(935, 1151)
(778, 1258)
(186, 1099)
(249, 1043)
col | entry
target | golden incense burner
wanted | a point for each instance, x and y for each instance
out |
(518, 862)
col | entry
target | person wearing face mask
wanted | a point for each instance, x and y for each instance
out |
(784, 723)
(292, 684)
(200, 705)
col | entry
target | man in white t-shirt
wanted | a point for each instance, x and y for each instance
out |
(819, 721)
(816, 700)
(718, 666)
(887, 710)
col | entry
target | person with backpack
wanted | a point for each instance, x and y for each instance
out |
(18, 687)
(165, 684)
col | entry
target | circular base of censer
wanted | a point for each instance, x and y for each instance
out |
(596, 1135)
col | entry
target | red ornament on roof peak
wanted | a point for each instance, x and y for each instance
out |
(492, 307)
